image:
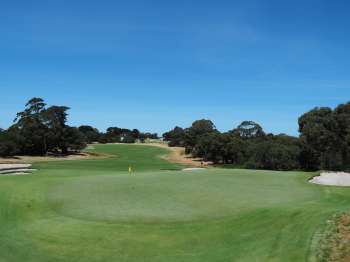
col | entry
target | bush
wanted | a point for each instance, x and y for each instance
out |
(127, 139)
(8, 148)
(273, 155)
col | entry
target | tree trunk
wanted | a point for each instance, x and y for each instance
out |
(64, 150)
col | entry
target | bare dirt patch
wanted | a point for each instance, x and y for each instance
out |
(177, 155)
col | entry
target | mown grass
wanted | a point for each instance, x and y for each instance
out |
(93, 210)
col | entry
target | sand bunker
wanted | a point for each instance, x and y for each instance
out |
(193, 169)
(14, 166)
(15, 169)
(332, 179)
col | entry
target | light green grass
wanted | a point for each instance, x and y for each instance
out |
(92, 210)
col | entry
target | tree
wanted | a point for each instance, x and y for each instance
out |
(8, 146)
(150, 135)
(123, 135)
(55, 118)
(116, 134)
(273, 154)
(38, 130)
(103, 139)
(342, 117)
(143, 136)
(127, 138)
(30, 128)
(198, 129)
(248, 130)
(72, 139)
(321, 144)
(209, 147)
(91, 134)
(175, 137)
(113, 134)
(234, 150)
(135, 133)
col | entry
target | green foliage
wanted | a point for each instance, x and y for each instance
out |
(247, 145)
(234, 150)
(324, 142)
(175, 137)
(39, 129)
(91, 134)
(128, 139)
(198, 129)
(210, 147)
(249, 130)
(274, 154)
(30, 129)
(124, 135)
(146, 136)
(72, 139)
(7, 145)
(324, 136)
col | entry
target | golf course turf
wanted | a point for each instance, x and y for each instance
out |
(93, 210)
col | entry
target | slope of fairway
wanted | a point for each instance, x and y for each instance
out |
(93, 210)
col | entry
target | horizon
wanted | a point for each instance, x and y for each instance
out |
(159, 134)
(160, 65)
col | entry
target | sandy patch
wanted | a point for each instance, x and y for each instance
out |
(177, 155)
(14, 166)
(17, 174)
(35, 159)
(332, 179)
(193, 169)
(15, 169)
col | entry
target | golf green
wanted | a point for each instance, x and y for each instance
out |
(94, 210)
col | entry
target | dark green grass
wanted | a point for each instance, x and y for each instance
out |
(93, 210)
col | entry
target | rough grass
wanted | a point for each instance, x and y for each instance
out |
(334, 245)
(93, 210)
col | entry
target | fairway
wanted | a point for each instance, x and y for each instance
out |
(94, 210)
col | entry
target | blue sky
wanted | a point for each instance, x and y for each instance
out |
(157, 64)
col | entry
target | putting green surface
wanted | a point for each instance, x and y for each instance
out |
(93, 210)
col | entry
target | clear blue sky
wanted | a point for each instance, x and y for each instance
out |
(156, 64)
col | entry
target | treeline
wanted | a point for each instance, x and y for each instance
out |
(115, 135)
(39, 130)
(324, 143)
